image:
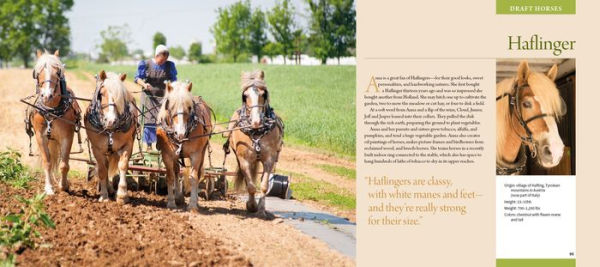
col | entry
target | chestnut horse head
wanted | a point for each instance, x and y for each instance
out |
(178, 107)
(48, 74)
(112, 97)
(255, 96)
(528, 108)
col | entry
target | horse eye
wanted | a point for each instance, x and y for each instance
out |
(527, 104)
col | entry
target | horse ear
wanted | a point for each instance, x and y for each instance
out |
(102, 75)
(553, 72)
(56, 52)
(122, 76)
(39, 53)
(523, 72)
(189, 87)
(168, 86)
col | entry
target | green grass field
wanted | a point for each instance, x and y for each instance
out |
(317, 103)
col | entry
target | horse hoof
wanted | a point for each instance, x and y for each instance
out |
(193, 209)
(49, 192)
(179, 200)
(122, 199)
(251, 206)
(103, 199)
(171, 205)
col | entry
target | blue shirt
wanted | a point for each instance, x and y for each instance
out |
(141, 71)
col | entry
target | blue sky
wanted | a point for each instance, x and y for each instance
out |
(182, 21)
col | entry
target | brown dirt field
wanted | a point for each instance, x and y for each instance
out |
(143, 232)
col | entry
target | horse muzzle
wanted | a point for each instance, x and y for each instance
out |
(550, 153)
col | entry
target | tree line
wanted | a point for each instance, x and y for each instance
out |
(26, 25)
(241, 31)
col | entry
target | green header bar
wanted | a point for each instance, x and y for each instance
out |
(535, 262)
(539, 7)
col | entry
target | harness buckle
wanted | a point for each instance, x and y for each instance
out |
(48, 128)
(178, 151)
(110, 142)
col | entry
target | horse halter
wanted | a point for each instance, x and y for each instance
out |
(265, 97)
(514, 107)
(61, 81)
(190, 124)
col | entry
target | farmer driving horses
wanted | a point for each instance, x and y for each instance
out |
(151, 75)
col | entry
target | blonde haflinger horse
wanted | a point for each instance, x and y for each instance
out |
(184, 131)
(259, 138)
(111, 125)
(528, 108)
(54, 117)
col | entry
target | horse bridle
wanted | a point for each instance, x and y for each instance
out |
(61, 82)
(190, 125)
(265, 97)
(124, 120)
(513, 106)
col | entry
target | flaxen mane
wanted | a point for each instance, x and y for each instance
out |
(179, 96)
(116, 88)
(253, 79)
(50, 60)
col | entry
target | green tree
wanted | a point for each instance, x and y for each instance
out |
(231, 29)
(54, 25)
(332, 28)
(281, 20)
(158, 39)
(177, 52)
(321, 36)
(27, 25)
(114, 42)
(344, 28)
(300, 44)
(195, 52)
(138, 54)
(258, 36)
(272, 49)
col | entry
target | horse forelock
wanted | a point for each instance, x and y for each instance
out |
(48, 60)
(178, 97)
(253, 79)
(546, 93)
(116, 88)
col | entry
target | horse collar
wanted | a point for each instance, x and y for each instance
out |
(503, 168)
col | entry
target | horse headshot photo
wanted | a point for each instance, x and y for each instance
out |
(111, 125)
(53, 119)
(529, 109)
(258, 140)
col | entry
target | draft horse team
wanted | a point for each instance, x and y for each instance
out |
(182, 130)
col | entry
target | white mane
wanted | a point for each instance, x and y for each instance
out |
(117, 90)
(51, 61)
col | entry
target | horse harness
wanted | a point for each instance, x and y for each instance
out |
(513, 168)
(51, 113)
(268, 118)
(514, 108)
(192, 122)
(95, 116)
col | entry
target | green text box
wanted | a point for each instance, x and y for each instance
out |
(535, 262)
(539, 7)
